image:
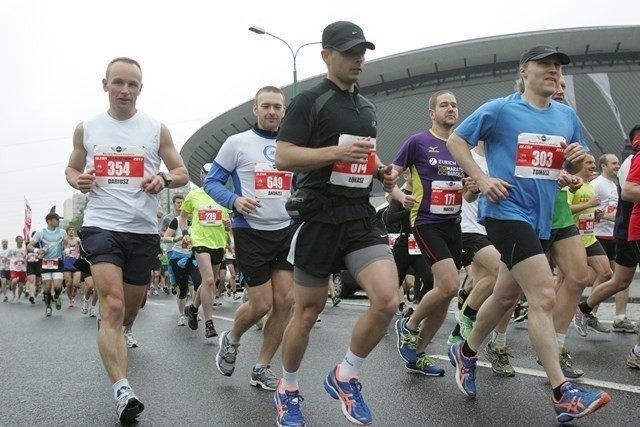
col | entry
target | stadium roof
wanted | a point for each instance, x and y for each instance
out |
(476, 71)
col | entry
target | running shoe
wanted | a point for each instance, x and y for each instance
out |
(425, 365)
(454, 338)
(623, 325)
(210, 329)
(521, 312)
(633, 360)
(498, 356)
(264, 378)
(181, 320)
(351, 400)
(466, 324)
(192, 317)
(408, 312)
(336, 301)
(594, 324)
(93, 311)
(580, 320)
(174, 290)
(288, 408)
(128, 405)
(32, 300)
(465, 370)
(5, 299)
(72, 303)
(235, 296)
(226, 356)
(129, 338)
(47, 312)
(57, 303)
(566, 363)
(407, 341)
(85, 306)
(577, 402)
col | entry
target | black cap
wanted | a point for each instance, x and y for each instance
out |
(541, 51)
(343, 35)
(52, 215)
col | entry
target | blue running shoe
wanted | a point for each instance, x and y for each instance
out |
(288, 407)
(352, 402)
(425, 365)
(465, 370)
(407, 341)
(577, 402)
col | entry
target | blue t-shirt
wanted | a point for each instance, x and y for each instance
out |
(498, 123)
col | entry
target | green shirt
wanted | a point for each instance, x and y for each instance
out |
(562, 217)
(207, 228)
(585, 219)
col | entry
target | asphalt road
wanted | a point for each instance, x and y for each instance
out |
(51, 375)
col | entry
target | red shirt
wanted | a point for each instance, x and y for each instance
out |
(634, 176)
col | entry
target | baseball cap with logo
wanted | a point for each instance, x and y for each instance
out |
(542, 51)
(344, 35)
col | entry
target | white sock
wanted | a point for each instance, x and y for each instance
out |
(499, 338)
(350, 366)
(289, 380)
(118, 385)
(561, 338)
(620, 316)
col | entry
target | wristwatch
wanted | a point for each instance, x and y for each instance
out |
(166, 178)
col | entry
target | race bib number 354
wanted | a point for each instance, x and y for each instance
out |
(119, 167)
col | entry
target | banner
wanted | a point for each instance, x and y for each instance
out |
(26, 230)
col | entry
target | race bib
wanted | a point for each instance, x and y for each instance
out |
(586, 223)
(271, 183)
(539, 156)
(49, 264)
(32, 257)
(611, 208)
(73, 252)
(118, 167)
(446, 197)
(414, 249)
(355, 175)
(412, 245)
(210, 216)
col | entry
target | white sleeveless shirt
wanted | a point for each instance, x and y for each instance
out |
(122, 152)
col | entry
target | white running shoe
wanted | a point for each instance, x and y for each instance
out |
(128, 336)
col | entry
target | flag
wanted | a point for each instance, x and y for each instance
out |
(26, 230)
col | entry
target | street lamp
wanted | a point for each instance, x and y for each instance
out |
(294, 54)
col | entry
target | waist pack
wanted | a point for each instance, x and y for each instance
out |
(304, 204)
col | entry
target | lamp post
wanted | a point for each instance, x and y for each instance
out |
(294, 54)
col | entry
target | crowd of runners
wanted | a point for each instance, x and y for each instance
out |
(507, 194)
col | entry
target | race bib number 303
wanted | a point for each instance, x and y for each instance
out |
(356, 175)
(539, 156)
(118, 167)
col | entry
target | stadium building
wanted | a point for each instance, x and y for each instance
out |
(603, 85)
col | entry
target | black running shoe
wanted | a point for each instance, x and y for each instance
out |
(209, 329)
(192, 317)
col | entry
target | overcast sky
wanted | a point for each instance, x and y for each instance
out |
(199, 60)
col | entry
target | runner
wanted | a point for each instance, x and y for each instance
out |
(51, 240)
